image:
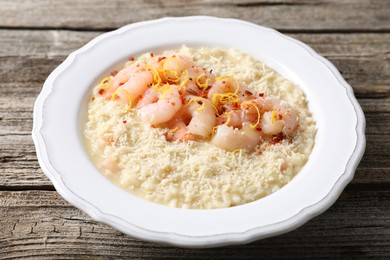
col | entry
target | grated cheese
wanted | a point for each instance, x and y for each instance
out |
(198, 174)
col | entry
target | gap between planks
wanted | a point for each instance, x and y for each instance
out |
(108, 29)
(27, 188)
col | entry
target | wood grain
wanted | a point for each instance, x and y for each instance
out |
(35, 222)
(36, 36)
(302, 15)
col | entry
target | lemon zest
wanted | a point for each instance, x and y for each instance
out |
(129, 103)
(174, 129)
(205, 85)
(105, 83)
(164, 71)
(273, 116)
(216, 110)
(163, 88)
(190, 101)
(183, 82)
(199, 109)
(214, 131)
(224, 98)
(194, 99)
(114, 94)
(228, 115)
(258, 113)
(185, 73)
(174, 73)
(230, 77)
(156, 76)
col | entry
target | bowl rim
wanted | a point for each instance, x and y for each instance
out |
(297, 220)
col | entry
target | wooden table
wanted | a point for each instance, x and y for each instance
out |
(36, 36)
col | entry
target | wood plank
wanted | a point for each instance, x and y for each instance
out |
(36, 223)
(357, 56)
(45, 43)
(62, 42)
(358, 224)
(347, 15)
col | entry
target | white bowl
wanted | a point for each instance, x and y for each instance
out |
(60, 110)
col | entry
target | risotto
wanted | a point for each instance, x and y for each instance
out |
(199, 128)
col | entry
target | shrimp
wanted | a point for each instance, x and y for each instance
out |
(177, 63)
(194, 120)
(223, 85)
(173, 67)
(244, 93)
(282, 120)
(196, 81)
(129, 92)
(120, 78)
(291, 121)
(262, 104)
(188, 82)
(203, 78)
(178, 131)
(231, 139)
(164, 109)
(203, 117)
(231, 118)
(228, 84)
(150, 96)
(138, 84)
(270, 125)
(156, 61)
(275, 117)
(162, 84)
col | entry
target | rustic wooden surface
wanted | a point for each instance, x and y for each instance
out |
(36, 36)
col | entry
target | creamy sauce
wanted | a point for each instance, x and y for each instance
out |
(197, 174)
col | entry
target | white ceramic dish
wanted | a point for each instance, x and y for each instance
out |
(60, 110)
